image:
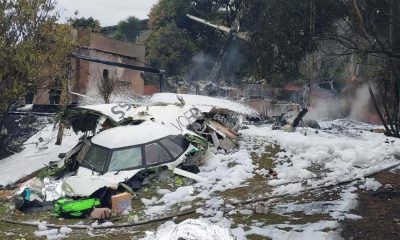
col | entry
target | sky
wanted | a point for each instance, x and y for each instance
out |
(108, 12)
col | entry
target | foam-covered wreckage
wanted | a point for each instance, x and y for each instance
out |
(206, 87)
(220, 127)
(217, 120)
(120, 153)
(113, 161)
(127, 144)
(289, 121)
(191, 229)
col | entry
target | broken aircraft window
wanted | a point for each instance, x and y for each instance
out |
(172, 147)
(180, 140)
(81, 155)
(96, 158)
(125, 159)
(156, 154)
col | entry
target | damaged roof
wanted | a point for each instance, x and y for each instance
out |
(199, 100)
(113, 110)
(173, 110)
(124, 136)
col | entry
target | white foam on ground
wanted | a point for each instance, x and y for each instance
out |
(346, 152)
(52, 234)
(35, 156)
(222, 171)
(320, 230)
(338, 155)
(372, 184)
(191, 229)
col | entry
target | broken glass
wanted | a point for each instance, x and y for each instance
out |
(155, 154)
(96, 158)
(125, 159)
(172, 147)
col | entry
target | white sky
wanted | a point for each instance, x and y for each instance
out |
(108, 12)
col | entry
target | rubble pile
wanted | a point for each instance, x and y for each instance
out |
(206, 88)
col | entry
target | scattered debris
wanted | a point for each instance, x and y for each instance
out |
(100, 214)
(193, 160)
(378, 130)
(299, 117)
(288, 122)
(121, 203)
(191, 229)
(120, 153)
(258, 208)
(69, 208)
(311, 123)
(128, 143)
(189, 175)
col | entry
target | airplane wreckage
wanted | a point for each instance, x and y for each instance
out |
(122, 144)
(126, 144)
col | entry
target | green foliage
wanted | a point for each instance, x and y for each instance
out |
(128, 29)
(171, 48)
(87, 23)
(33, 50)
(80, 120)
(280, 34)
(28, 38)
(167, 11)
(175, 39)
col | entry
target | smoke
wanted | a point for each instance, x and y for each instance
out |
(356, 106)
(204, 67)
(199, 68)
(361, 104)
(328, 109)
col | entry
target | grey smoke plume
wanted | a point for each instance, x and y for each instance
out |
(360, 103)
(356, 106)
(328, 109)
(204, 67)
(200, 67)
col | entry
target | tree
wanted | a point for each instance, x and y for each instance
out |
(87, 23)
(281, 36)
(128, 29)
(171, 48)
(370, 30)
(168, 11)
(33, 51)
(106, 86)
(169, 24)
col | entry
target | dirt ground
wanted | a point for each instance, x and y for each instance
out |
(380, 211)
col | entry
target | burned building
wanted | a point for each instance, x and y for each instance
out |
(85, 75)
